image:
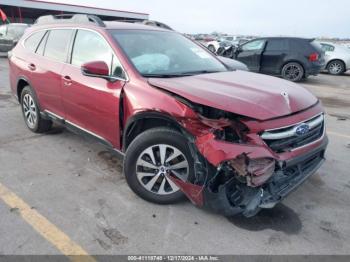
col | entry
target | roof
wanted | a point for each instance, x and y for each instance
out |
(56, 6)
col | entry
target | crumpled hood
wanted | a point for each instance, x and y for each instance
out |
(254, 95)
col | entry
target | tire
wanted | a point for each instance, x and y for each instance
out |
(212, 49)
(336, 67)
(31, 112)
(292, 71)
(151, 186)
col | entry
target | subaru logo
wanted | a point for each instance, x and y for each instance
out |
(302, 129)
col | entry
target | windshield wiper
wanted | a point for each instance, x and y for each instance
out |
(165, 75)
(199, 72)
(191, 73)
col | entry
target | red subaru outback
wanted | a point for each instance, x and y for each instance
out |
(230, 140)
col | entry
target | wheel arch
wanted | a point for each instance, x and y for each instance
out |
(22, 82)
(146, 120)
(336, 59)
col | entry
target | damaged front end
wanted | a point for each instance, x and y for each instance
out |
(236, 172)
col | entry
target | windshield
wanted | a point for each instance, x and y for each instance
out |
(162, 54)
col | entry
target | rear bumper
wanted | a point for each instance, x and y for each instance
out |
(234, 197)
(315, 69)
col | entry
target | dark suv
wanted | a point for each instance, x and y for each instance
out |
(230, 140)
(291, 58)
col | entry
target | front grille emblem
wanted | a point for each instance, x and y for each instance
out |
(302, 129)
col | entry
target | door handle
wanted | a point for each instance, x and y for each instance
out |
(31, 67)
(67, 81)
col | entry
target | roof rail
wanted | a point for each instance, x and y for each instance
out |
(146, 22)
(70, 18)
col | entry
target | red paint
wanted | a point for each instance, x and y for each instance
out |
(93, 103)
(193, 192)
(253, 95)
(95, 68)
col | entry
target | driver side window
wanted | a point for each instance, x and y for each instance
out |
(90, 46)
(254, 45)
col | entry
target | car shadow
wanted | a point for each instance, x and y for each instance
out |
(280, 218)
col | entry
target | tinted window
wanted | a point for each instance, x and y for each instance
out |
(90, 46)
(57, 44)
(32, 42)
(41, 47)
(327, 48)
(276, 45)
(254, 45)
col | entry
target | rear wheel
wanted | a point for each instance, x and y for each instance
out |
(152, 158)
(31, 112)
(336, 67)
(292, 71)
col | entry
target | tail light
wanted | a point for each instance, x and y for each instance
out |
(313, 57)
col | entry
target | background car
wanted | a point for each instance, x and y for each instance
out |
(291, 58)
(337, 58)
(10, 34)
(228, 40)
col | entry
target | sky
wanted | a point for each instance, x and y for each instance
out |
(305, 18)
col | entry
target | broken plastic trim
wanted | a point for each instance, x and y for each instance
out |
(256, 171)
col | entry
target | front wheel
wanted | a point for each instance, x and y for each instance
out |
(152, 159)
(292, 71)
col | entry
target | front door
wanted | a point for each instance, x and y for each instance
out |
(92, 103)
(250, 54)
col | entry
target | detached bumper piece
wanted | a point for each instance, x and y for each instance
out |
(229, 195)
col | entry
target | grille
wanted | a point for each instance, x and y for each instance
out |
(286, 138)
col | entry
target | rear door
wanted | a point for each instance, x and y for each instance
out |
(47, 66)
(274, 56)
(250, 54)
(92, 103)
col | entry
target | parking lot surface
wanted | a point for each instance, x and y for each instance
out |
(76, 189)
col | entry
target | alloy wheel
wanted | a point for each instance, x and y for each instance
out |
(293, 72)
(29, 110)
(335, 68)
(155, 165)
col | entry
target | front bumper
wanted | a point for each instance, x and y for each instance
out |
(233, 197)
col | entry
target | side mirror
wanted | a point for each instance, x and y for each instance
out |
(95, 69)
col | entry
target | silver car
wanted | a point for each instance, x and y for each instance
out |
(337, 58)
(10, 34)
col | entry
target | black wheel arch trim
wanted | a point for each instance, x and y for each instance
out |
(336, 59)
(23, 78)
(148, 115)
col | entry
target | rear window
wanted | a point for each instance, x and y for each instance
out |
(57, 44)
(16, 31)
(33, 41)
(277, 45)
(317, 46)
